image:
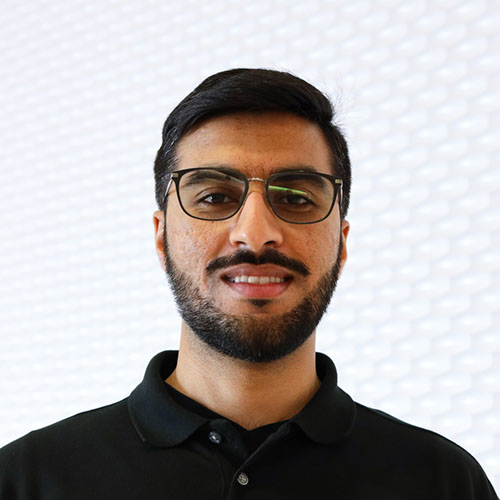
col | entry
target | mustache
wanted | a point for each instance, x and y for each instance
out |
(270, 256)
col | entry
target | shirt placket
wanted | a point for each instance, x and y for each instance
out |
(237, 466)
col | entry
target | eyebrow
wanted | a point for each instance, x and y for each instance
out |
(295, 175)
(285, 168)
(198, 176)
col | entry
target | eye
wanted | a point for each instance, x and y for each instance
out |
(290, 197)
(212, 197)
(296, 199)
(215, 199)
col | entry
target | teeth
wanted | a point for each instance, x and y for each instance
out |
(258, 280)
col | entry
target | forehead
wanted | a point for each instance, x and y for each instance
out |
(257, 144)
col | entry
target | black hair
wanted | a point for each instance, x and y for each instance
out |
(251, 91)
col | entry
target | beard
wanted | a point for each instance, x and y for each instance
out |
(245, 337)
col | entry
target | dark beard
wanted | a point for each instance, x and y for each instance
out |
(245, 337)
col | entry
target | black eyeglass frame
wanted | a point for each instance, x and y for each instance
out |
(176, 176)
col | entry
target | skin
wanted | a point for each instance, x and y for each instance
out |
(250, 394)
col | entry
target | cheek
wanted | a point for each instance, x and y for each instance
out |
(192, 244)
(319, 249)
(188, 245)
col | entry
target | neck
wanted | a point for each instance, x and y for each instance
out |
(249, 394)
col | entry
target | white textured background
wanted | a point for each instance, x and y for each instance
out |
(84, 89)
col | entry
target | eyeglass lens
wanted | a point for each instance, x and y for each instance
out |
(299, 197)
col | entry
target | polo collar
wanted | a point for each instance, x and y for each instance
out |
(330, 415)
(161, 421)
(158, 419)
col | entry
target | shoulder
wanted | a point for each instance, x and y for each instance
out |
(93, 422)
(87, 426)
(72, 443)
(395, 432)
(431, 457)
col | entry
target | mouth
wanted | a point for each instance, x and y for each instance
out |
(258, 282)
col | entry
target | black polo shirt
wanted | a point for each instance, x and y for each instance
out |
(158, 444)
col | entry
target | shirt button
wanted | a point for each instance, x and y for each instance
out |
(214, 437)
(242, 479)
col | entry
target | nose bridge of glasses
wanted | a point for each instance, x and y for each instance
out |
(256, 179)
(249, 192)
(261, 191)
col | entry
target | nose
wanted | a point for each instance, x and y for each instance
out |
(256, 226)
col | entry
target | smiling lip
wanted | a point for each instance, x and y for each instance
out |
(258, 282)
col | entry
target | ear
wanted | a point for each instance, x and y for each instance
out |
(159, 224)
(345, 226)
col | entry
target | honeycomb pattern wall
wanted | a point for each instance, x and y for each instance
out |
(84, 89)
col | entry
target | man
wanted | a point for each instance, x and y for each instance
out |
(252, 183)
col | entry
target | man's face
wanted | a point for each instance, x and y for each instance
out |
(252, 321)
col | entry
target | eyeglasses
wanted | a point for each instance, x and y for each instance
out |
(295, 196)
